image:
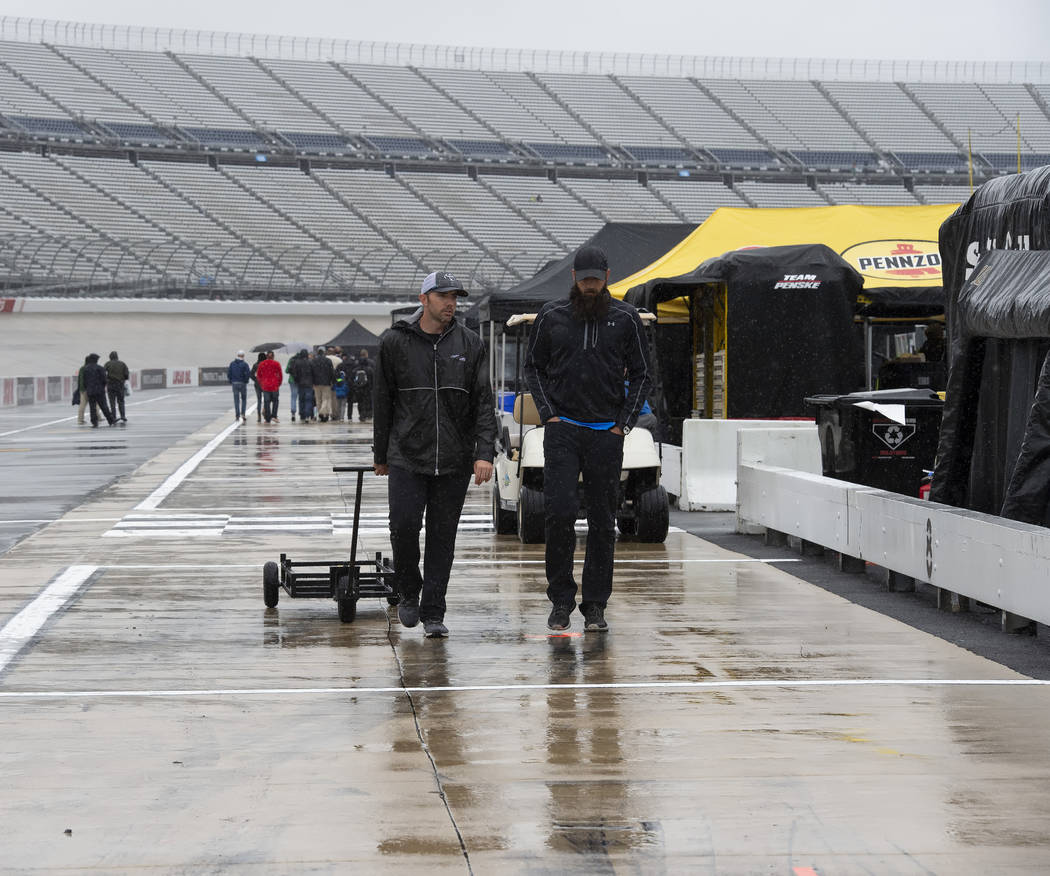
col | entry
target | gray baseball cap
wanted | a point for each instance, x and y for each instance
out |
(442, 281)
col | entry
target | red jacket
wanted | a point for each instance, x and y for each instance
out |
(270, 375)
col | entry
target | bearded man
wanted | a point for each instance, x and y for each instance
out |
(579, 352)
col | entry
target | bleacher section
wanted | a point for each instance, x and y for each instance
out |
(291, 175)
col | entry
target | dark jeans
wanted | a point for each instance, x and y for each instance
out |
(116, 400)
(258, 402)
(240, 398)
(568, 451)
(306, 402)
(363, 397)
(96, 402)
(442, 498)
(270, 400)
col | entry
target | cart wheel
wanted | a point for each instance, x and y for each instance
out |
(530, 516)
(347, 610)
(652, 515)
(504, 522)
(271, 590)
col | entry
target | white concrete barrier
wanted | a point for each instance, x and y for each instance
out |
(709, 459)
(990, 559)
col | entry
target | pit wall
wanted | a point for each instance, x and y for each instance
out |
(21, 391)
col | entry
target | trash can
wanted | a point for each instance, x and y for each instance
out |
(885, 439)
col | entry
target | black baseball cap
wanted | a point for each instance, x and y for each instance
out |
(442, 281)
(590, 262)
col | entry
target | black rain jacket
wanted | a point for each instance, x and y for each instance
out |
(433, 406)
(576, 368)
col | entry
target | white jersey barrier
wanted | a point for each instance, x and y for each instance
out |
(966, 555)
(702, 472)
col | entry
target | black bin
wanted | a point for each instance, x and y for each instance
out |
(865, 446)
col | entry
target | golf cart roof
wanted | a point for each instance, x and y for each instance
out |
(530, 318)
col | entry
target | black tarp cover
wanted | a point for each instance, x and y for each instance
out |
(994, 378)
(355, 337)
(789, 325)
(629, 246)
(901, 302)
(1006, 299)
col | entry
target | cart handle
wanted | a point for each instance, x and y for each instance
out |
(353, 468)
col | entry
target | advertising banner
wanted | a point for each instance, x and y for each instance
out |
(182, 377)
(26, 390)
(54, 389)
(8, 395)
(213, 376)
(154, 378)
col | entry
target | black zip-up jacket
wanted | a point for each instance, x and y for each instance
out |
(576, 368)
(94, 379)
(323, 370)
(433, 407)
(116, 373)
(301, 368)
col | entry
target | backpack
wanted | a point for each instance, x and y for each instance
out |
(360, 378)
(341, 387)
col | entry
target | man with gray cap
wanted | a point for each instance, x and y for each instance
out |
(434, 425)
(580, 351)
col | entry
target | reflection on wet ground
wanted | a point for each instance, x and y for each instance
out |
(734, 720)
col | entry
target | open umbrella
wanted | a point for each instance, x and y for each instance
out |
(293, 347)
(269, 345)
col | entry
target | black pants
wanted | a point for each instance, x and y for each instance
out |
(568, 451)
(270, 400)
(96, 402)
(442, 498)
(364, 403)
(116, 400)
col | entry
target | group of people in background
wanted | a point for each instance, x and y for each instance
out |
(102, 388)
(324, 384)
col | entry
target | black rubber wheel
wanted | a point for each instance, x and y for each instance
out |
(504, 522)
(530, 516)
(271, 584)
(347, 610)
(627, 526)
(652, 515)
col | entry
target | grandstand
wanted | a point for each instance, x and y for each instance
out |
(198, 166)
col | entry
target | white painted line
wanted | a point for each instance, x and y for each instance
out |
(67, 419)
(17, 632)
(20, 522)
(168, 524)
(739, 684)
(167, 515)
(184, 471)
(161, 533)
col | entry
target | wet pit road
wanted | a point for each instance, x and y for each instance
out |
(156, 716)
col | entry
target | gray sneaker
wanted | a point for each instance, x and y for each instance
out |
(559, 617)
(435, 630)
(408, 612)
(594, 619)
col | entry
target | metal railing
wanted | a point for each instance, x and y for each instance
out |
(48, 264)
(115, 36)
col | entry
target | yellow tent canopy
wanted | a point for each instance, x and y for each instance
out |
(888, 246)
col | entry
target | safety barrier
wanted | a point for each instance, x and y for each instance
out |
(20, 391)
(702, 472)
(964, 554)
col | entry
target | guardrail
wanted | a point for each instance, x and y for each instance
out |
(964, 554)
(156, 39)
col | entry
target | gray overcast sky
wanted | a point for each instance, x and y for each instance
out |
(890, 29)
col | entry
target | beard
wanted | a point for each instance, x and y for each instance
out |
(587, 307)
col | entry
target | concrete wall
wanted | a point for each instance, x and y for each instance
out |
(43, 337)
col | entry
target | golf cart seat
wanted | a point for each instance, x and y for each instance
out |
(525, 411)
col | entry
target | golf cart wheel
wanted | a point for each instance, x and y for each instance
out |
(652, 515)
(271, 586)
(504, 522)
(347, 609)
(530, 516)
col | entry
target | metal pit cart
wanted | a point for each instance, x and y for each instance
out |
(343, 581)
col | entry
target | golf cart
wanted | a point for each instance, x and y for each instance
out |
(517, 495)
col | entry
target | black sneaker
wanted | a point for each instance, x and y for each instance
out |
(559, 617)
(594, 619)
(408, 612)
(435, 630)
